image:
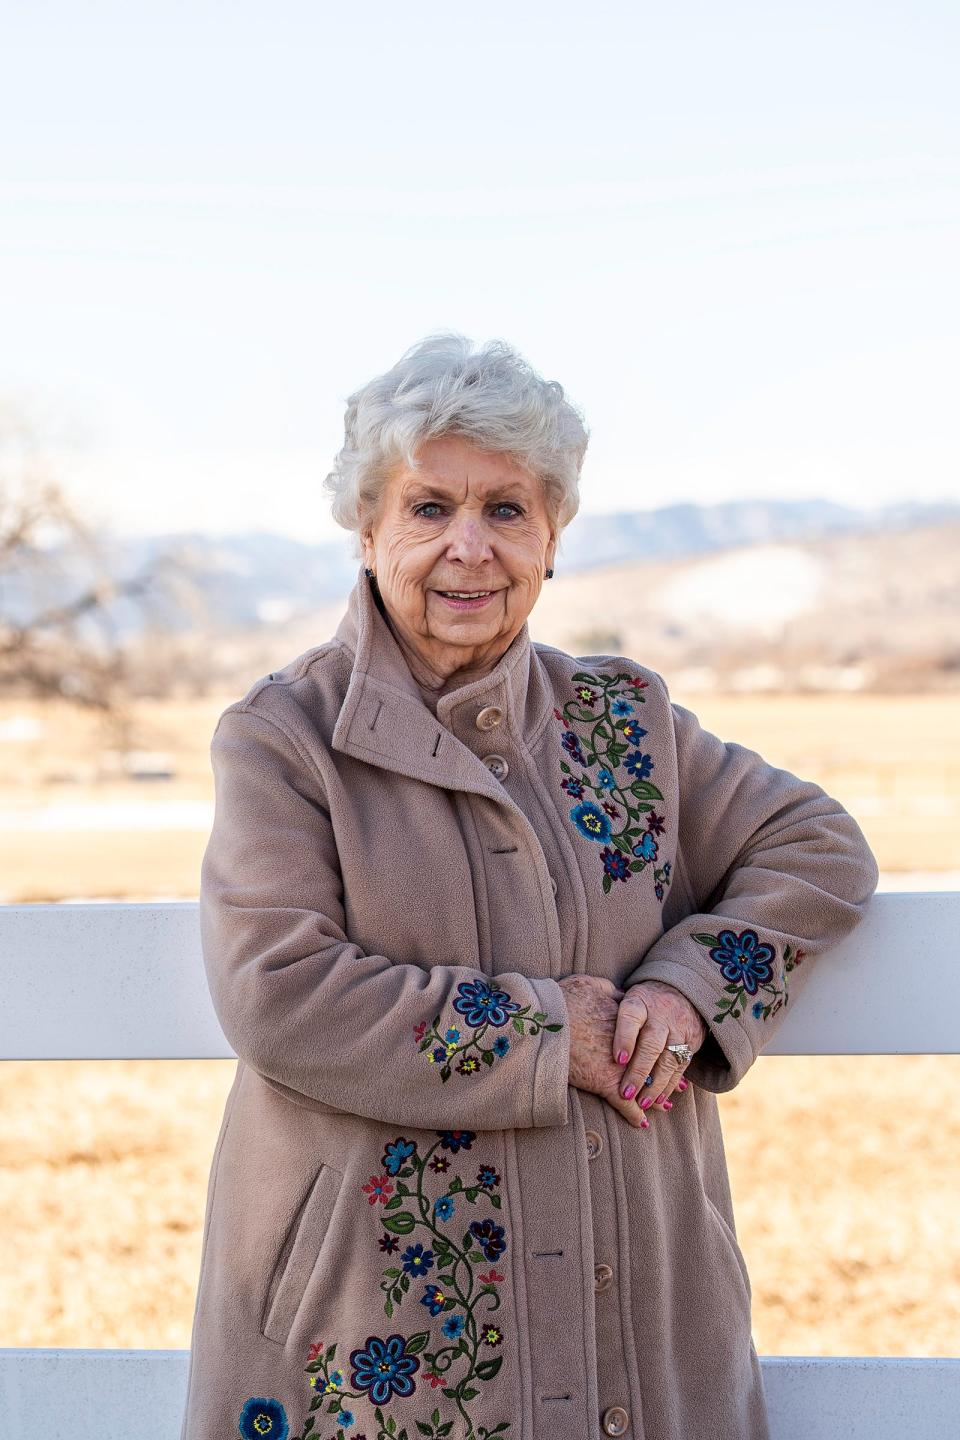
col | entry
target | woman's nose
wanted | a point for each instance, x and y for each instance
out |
(468, 541)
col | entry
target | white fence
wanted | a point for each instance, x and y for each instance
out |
(126, 982)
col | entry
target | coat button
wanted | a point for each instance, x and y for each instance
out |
(594, 1144)
(489, 717)
(615, 1420)
(602, 1277)
(497, 766)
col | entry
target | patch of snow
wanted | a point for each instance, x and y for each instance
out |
(757, 589)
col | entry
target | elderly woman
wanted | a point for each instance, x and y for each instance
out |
(489, 926)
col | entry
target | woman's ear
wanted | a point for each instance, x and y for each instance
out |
(550, 557)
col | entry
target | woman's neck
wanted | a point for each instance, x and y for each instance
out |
(434, 682)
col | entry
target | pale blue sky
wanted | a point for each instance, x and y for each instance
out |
(730, 230)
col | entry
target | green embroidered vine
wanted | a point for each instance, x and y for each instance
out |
(609, 762)
(394, 1365)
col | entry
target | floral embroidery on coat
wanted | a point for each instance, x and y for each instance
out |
(622, 816)
(747, 964)
(442, 1272)
(482, 1005)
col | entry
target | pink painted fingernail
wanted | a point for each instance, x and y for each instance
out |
(660, 1098)
(682, 1084)
(668, 1104)
(629, 1092)
(646, 1102)
(644, 1123)
(622, 1058)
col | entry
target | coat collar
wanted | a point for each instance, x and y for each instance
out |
(384, 721)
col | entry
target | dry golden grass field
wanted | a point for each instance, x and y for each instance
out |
(846, 1171)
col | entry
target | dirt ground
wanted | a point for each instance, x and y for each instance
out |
(845, 1170)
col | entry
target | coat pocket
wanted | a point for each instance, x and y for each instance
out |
(733, 1246)
(299, 1254)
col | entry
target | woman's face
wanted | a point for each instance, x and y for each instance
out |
(459, 549)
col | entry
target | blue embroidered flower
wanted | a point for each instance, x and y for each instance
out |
(743, 959)
(434, 1299)
(501, 1045)
(648, 848)
(397, 1153)
(383, 1368)
(757, 1009)
(481, 1003)
(658, 890)
(614, 864)
(605, 780)
(487, 1176)
(452, 1327)
(591, 821)
(634, 730)
(345, 1418)
(457, 1139)
(573, 788)
(637, 765)
(621, 708)
(666, 870)
(416, 1260)
(490, 1236)
(261, 1418)
(452, 1034)
(571, 744)
(443, 1208)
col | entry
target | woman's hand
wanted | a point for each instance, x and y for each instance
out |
(594, 1008)
(660, 1016)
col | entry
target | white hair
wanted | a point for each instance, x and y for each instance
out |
(444, 386)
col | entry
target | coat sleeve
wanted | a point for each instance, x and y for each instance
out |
(310, 1011)
(776, 871)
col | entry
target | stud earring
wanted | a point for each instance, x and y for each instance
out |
(368, 572)
(549, 574)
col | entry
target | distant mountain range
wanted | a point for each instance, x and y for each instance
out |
(250, 580)
(261, 578)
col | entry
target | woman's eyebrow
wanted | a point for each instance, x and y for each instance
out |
(495, 490)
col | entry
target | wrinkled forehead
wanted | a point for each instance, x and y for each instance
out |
(462, 473)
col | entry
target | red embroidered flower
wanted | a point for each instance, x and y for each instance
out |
(655, 823)
(418, 1031)
(435, 1380)
(492, 1277)
(639, 684)
(611, 810)
(378, 1188)
(315, 1349)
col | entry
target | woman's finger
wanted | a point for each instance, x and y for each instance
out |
(653, 1037)
(631, 1018)
(666, 1072)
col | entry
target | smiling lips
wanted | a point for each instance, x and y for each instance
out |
(466, 599)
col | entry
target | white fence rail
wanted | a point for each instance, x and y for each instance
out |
(93, 981)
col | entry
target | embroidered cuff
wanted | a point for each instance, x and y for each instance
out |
(735, 980)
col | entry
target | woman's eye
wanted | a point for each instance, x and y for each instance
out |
(506, 510)
(428, 509)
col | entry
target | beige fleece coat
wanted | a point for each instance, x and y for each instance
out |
(415, 1225)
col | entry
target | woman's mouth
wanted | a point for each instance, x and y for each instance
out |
(466, 599)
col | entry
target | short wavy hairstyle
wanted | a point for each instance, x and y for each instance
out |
(444, 385)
